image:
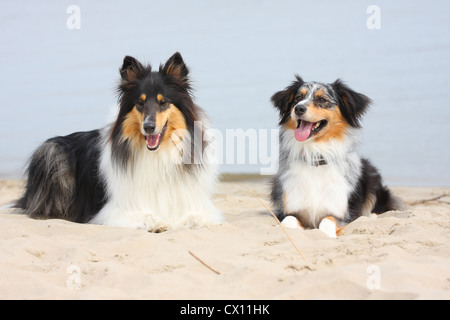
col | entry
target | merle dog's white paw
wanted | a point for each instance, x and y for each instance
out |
(328, 227)
(291, 222)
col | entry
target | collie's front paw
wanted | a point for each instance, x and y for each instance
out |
(158, 229)
(151, 224)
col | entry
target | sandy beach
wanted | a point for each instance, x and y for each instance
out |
(397, 255)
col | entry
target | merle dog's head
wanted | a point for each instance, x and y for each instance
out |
(319, 111)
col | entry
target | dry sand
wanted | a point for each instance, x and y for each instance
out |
(398, 255)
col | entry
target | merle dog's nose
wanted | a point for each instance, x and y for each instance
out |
(149, 127)
(300, 109)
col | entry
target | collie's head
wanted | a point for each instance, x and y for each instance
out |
(156, 106)
(319, 112)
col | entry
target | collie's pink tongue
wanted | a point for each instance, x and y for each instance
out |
(303, 131)
(153, 140)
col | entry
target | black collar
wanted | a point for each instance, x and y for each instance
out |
(319, 161)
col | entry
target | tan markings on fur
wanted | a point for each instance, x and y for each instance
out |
(174, 70)
(161, 118)
(143, 97)
(344, 99)
(332, 219)
(291, 97)
(159, 97)
(131, 74)
(319, 93)
(290, 124)
(303, 91)
(175, 120)
(336, 127)
(131, 127)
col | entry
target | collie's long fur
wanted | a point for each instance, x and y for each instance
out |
(322, 181)
(147, 170)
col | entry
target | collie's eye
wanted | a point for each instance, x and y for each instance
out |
(140, 104)
(142, 99)
(321, 99)
(161, 100)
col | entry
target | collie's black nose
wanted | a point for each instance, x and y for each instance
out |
(149, 127)
(300, 109)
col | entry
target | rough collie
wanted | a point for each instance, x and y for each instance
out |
(148, 170)
(322, 181)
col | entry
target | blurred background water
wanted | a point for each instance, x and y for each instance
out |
(56, 80)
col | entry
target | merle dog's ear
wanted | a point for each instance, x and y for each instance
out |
(282, 100)
(176, 67)
(131, 69)
(352, 104)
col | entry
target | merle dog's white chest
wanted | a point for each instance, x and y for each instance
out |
(315, 192)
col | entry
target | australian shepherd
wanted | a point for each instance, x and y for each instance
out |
(150, 169)
(322, 181)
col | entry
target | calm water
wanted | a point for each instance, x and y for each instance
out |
(56, 80)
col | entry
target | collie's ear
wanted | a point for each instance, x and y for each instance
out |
(131, 69)
(353, 105)
(282, 100)
(176, 67)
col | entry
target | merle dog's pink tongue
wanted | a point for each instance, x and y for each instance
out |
(153, 140)
(303, 131)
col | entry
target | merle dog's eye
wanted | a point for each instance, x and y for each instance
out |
(321, 99)
(298, 99)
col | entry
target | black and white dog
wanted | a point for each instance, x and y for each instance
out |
(136, 172)
(322, 181)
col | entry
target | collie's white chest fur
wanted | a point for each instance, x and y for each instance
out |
(156, 193)
(315, 192)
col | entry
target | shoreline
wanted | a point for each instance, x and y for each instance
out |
(243, 176)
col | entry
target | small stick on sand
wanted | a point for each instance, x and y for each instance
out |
(267, 207)
(428, 200)
(204, 263)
